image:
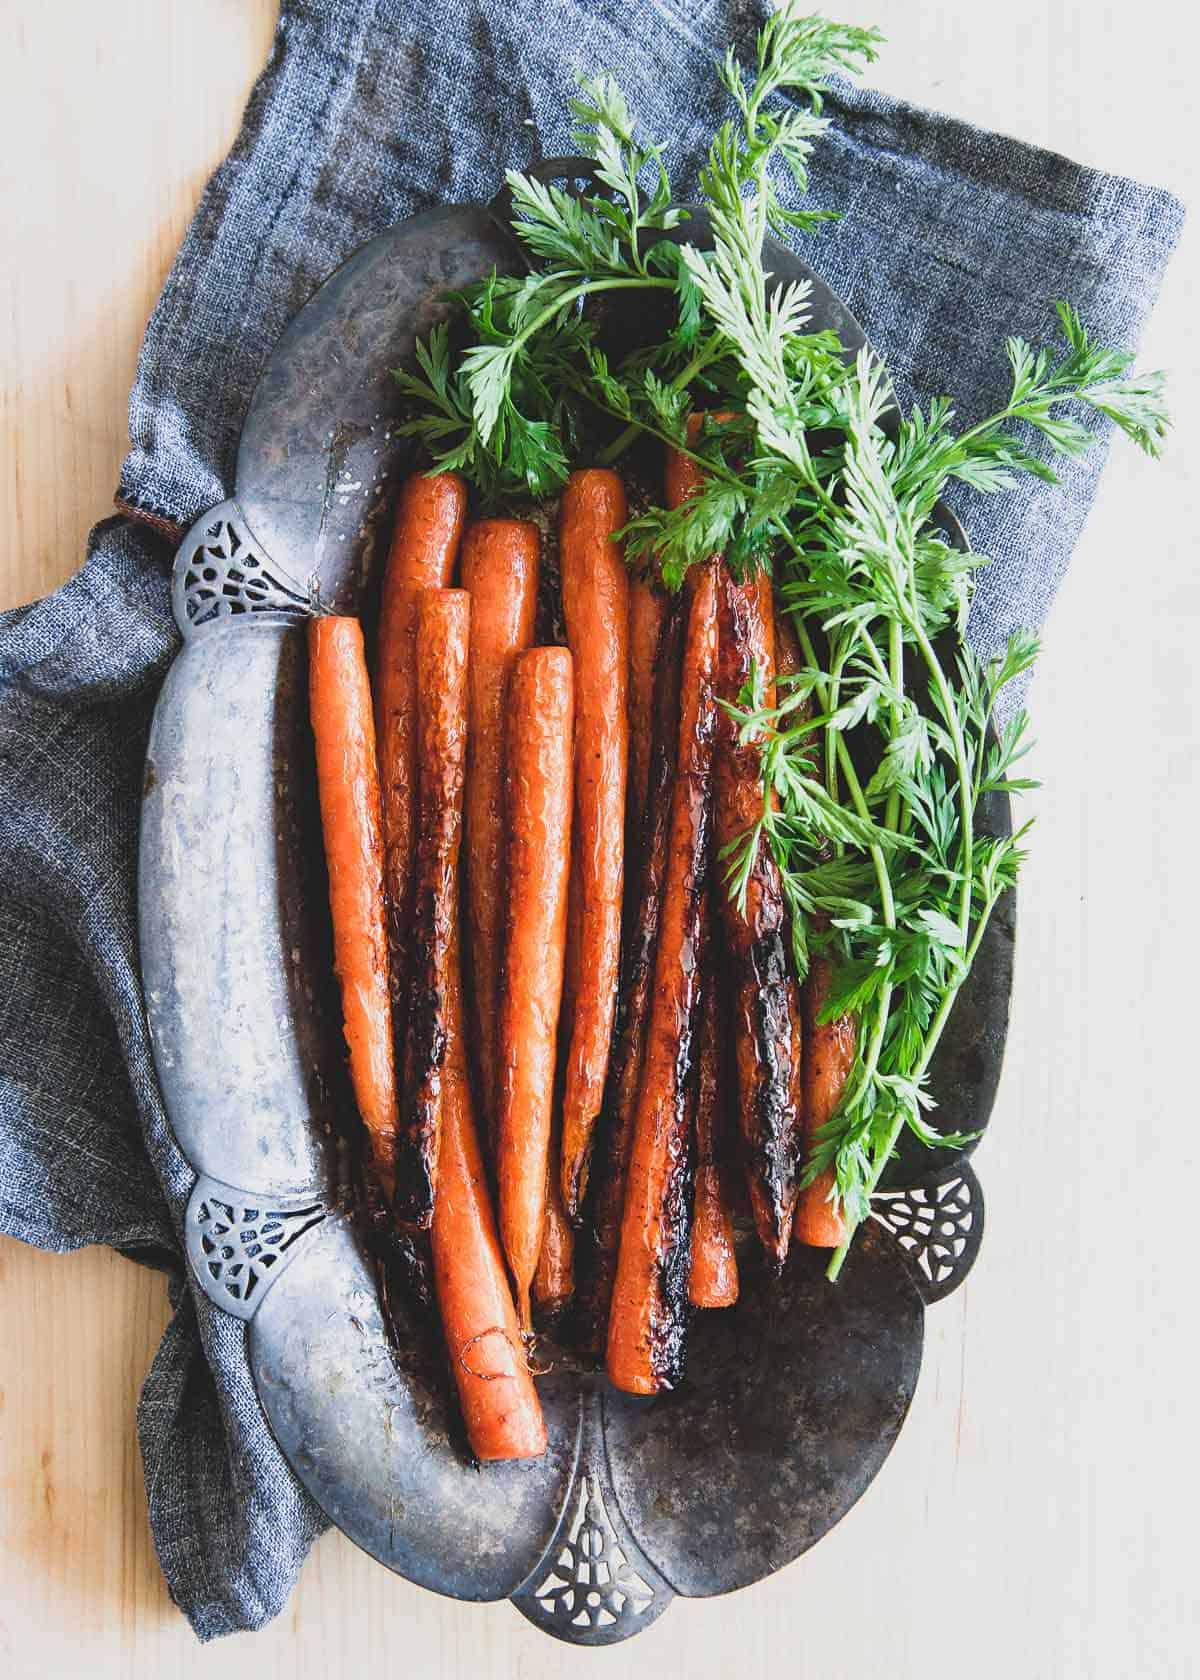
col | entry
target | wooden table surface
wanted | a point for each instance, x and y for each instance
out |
(1035, 1518)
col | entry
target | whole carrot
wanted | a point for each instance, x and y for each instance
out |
(538, 776)
(424, 546)
(499, 1402)
(713, 1273)
(500, 573)
(348, 787)
(647, 610)
(595, 588)
(554, 1278)
(443, 632)
(648, 1318)
(766, 1001)
(615, 1139)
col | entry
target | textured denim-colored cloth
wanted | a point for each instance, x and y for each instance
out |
(368, 111)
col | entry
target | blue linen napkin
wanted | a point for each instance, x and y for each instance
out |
(367, 111)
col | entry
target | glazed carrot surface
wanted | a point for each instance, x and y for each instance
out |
(422, 555)
(766, 1003)
(637, 976)
(647, 611)
(500, 573)
(647, 1322)
(443, 631)
(713, 1274)
(829, 1052)
(496, 1391)
(348, 787)
(539, 781)
(595, 588)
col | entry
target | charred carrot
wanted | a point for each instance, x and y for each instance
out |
(647, 1322)
(713, 1274)
(424, 546)
(647, 610)
(443, 632)
(538, 777)
(766, 1001)
(348, 786)
(499, 1402)
(500, 573)
(595, 588)
(637, 974)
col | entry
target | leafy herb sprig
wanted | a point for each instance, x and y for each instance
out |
(889, 871)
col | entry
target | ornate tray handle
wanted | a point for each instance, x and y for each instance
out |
(221, 571)
(593, 1585)
(239, 1242)
(938, 1225)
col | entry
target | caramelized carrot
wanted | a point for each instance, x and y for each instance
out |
(595, 588)
(647, 610)
(429, 516)
(637, 974)
(829, 1051)
(713, 1275)
(443, 632)
(499, 1402)
(538, 776)
(554, 1278)
(348, 786)
(767, 1028)
(647, 1323)
(500, 573)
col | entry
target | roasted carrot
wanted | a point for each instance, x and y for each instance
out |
(554, 1278)
(766, 1000)
(615, 1137)
(647, 1322)
(538, 778)
(713, 1274)
(647, 610)
(500, 573)
(424, 546)
(348, 786)
(499, 1402)
(595, 588)
(829, 1051)
(443, 635)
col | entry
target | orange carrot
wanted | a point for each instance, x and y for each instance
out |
(538, 776)
(713, 1275)
(429, 516)
(647, 610)
(554, 1279)
(499, 1402)
(443, 632)
(595, 589)
(500, 572)
(829, 1051)
(646, 1329)
(348, 785)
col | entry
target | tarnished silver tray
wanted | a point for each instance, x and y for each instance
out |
(794, 1397)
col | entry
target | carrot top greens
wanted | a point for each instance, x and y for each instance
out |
(822, 481)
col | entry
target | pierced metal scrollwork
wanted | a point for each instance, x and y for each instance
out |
(939, 1227)
(239, 1242)
(222, 572)
(593, 1585)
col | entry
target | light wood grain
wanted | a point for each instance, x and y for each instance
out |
(1035, 1518)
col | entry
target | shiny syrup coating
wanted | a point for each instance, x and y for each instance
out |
(443, 638)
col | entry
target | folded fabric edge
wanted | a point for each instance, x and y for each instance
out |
(994, 160)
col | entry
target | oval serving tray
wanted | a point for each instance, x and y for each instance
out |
(793, 1398)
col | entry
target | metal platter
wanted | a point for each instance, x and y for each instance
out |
(794, 1396)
